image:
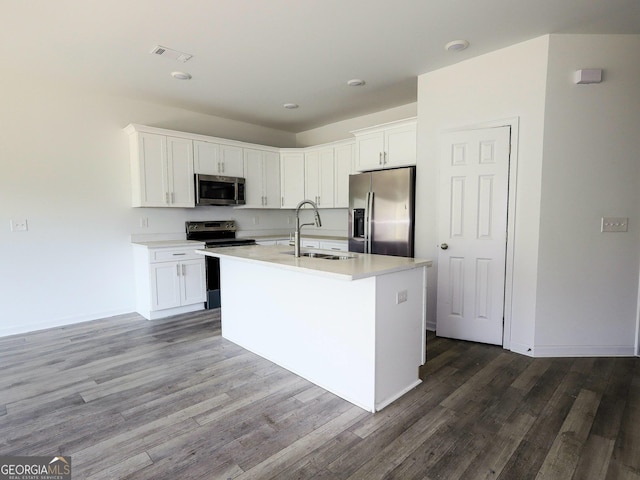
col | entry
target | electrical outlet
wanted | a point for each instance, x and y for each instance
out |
(289, 220)
(256, 220)
(401, 297)
(144, 222)
(19, 225)
(614, 224)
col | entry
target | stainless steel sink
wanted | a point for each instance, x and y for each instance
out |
(324, 256)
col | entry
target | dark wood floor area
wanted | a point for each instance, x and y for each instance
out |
(129, 398)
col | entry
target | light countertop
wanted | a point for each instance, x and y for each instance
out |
(360, 266)
(170, 243)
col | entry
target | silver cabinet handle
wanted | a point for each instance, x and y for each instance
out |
(222, 167)
(380, 158)
(282, 202)
(384, 161)
(173, 197)
(178, 269)
(178, 254)
(166, 198)
(184, 270)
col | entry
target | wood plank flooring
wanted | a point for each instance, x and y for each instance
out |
(133, 399)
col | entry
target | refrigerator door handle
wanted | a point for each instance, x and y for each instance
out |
(368, 225)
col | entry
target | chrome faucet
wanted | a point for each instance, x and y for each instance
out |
(296, 236)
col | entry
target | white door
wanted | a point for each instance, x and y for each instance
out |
(474, 173)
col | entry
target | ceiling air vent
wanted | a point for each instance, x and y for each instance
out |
(170, 53)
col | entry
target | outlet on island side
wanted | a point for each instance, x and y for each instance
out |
(401, 296)
(18, 225)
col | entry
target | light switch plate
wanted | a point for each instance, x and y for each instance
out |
(614, 224)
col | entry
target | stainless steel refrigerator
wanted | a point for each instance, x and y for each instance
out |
(381, 212)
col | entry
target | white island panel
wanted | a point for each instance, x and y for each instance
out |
(355, 338)
(316, 327)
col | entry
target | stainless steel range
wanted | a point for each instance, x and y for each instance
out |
(215, 234)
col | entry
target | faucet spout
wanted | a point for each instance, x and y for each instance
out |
(318, 223)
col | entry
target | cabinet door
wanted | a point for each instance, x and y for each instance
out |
(292, 179)
(193, 283)
(312, 175)
(271, 172)
(370, 151)
(326, 179)
(231, 161)
(337, 245)
(309, 243)
(206, 158)
(400, 146)
(343, 168)
(165, 285)
(254, 178)
(153, 185)
(181, 179)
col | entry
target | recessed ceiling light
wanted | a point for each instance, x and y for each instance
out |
(355, 82)
(181, 75)
(291, 106)
(456, 45)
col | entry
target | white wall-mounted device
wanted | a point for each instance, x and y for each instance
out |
(588, 75)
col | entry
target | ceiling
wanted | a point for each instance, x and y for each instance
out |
(252, 56)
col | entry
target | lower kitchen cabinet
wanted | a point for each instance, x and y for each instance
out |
(339, 245)
(169, 280)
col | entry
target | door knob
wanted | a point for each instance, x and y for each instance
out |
(444, 246)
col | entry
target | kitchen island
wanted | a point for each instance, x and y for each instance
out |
(353, 326)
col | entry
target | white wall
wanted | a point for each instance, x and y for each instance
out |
(503, 84)
(341, 130)
(64, 166)
(588, 280)
(575, 290)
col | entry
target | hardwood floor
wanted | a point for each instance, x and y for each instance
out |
(129, 398)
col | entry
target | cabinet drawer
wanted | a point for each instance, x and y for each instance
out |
(174, 255)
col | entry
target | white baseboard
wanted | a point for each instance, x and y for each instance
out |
(20, 329)
(584, 351)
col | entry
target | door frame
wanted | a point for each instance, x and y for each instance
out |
(514, 123)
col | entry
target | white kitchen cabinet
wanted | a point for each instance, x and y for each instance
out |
(214, 159)
(386, 146)
(343, 158)
(338, 245)
(231, 161)
(319, 177)
(262, 177)
(277, 241)
(309, 243)
(161, 170)
(291, 179)
(169, 280)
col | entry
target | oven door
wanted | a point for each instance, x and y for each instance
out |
(213, 282)
(219, 190)
(213, 268)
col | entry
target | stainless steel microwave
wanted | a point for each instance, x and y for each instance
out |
(219, 190)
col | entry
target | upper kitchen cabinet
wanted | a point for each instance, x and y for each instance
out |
(262, 177)
(161, 170)
(291, 178)
(343, 167)
(386, 146)
(214, 159)
(319, 176)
